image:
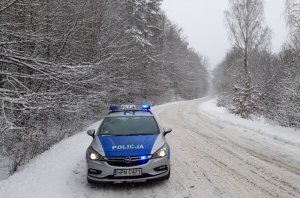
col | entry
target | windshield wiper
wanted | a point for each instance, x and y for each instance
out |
(140, 134)
(131, 134)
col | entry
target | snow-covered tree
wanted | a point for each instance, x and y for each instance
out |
(247, 31)
(62, 63)
(274, 91)
(247, 101)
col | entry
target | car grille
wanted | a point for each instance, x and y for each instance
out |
(124, 162)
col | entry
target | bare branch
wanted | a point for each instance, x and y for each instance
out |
(8, 6)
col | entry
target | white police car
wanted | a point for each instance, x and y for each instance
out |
(128, 146)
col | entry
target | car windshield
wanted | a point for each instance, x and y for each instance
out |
(129, 125)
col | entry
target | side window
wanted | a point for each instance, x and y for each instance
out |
(159, 125)
(98, 129)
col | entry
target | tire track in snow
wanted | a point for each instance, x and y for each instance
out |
(208, 158)
(219, 138)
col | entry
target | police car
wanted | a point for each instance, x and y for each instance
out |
(128, 146)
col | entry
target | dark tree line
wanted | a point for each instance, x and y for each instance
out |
(63, 62)
(252, 80)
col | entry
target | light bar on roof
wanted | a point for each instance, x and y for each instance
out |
(129, 107)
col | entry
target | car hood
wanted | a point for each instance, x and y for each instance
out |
(123, 146)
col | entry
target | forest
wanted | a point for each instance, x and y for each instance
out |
(63, 62)
(253, 81)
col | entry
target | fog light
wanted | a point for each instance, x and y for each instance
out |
(161, 168)
(94, 171)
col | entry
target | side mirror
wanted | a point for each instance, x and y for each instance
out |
(91, 132)
(167, 130)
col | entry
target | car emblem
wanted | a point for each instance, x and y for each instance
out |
(127, 160)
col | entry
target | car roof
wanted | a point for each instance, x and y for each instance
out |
(129, 113)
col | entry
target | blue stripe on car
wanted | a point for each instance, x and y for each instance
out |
(119, 146)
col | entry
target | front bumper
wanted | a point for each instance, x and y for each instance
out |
(106, 171)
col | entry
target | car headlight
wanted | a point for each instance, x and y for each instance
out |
(160, 153)
(94, 155)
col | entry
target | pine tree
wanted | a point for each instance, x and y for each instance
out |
(247, 101)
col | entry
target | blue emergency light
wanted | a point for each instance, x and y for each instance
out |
(146, 107)
(130, 107)
(144, 157)
(113, 107)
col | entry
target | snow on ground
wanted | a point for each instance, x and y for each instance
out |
(47, 175)
(258, 125)
(210, 158)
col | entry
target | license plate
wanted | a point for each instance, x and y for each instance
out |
(127, 172)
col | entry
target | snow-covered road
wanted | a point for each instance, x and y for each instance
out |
(210, 158)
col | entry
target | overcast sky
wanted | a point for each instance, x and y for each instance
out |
(203, 24)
